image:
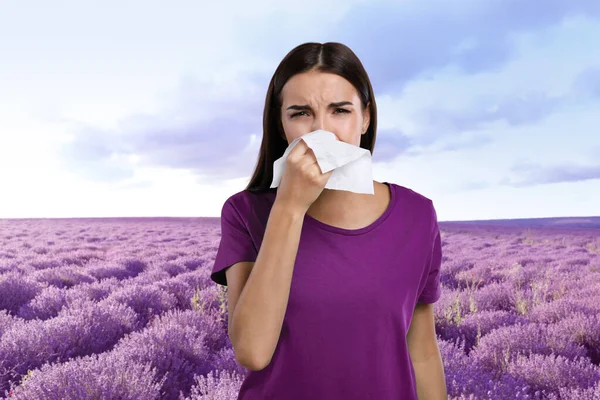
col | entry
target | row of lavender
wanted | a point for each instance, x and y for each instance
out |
(519, 316)
(113, 309)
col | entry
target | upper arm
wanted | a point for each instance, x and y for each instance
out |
(236, 244)
(237, 276)
(430, 290)
(236, 253)
(421, 337)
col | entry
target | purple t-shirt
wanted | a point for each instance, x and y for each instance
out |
(352, 297)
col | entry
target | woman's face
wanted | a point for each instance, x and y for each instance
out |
(307, 106)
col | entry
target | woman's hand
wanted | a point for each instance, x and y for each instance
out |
(302, 181)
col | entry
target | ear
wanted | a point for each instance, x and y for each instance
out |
(366, 118)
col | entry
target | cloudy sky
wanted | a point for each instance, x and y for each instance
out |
(147, 108)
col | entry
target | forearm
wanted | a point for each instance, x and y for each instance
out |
(259, 313)
(430, 378)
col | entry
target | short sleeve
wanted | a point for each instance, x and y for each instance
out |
(236, 244)
(431, 292)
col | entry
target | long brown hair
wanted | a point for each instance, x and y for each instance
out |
(330, 57)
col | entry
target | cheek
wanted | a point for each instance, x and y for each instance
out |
(293, 130)
(352, 124)
(349, 129)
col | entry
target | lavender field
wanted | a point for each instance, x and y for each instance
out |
(125, 309)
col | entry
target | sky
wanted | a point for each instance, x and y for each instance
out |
(140, 109)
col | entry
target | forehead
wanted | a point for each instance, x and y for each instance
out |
(315, 86)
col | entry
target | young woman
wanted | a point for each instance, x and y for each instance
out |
(330, 292)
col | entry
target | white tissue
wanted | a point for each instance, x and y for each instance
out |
(351, 164)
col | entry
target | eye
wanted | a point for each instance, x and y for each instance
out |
(342, 111)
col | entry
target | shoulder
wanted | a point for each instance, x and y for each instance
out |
(245, 201)
(411, 198)
(416, 206)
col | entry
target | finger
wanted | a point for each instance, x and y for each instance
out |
(303, 149)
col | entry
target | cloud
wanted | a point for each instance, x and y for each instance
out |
(514, 109)
(587, 83)
(530, 174)
(472, 185)
(213, 148)
(389, 144)
(206, 131)
(93, 156)
(440, 127)
(401, 40)
(442, 123)
(209, 128)
(470, 142)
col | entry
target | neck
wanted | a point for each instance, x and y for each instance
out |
(340, 198)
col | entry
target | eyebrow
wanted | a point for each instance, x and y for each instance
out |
(331, 105)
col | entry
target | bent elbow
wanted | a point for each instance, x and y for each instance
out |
(251, 363)
(249, 359)
(246, 354)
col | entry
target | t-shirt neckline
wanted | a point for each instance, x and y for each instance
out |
(315, 222)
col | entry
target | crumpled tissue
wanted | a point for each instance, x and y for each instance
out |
(351, 164)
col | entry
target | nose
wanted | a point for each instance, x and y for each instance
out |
(319, 123)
